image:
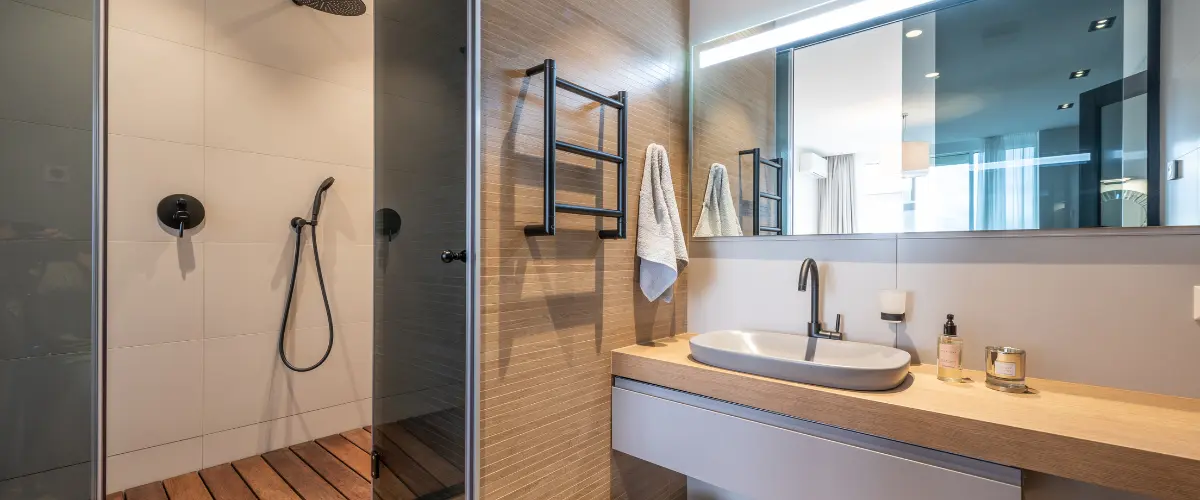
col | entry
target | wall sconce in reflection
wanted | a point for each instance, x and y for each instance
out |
(892, 305)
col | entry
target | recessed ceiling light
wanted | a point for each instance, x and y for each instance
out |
(913, 33)
(932, 75)
(1068, 105)
(1101, 24)
(1083, 73)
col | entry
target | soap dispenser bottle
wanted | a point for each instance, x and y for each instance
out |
(950, 353)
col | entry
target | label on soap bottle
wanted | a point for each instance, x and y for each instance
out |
(948, 356)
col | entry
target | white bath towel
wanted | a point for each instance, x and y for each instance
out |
(718, 217)
(660, 244)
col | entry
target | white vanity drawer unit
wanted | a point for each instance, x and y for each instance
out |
(761, 455)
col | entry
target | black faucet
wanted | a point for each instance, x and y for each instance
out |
(808, 271)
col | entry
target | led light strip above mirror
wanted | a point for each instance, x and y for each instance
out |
(817, 25)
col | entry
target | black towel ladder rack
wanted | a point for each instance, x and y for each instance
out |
(553, 145)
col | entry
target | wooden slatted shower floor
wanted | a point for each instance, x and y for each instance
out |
(336, 467)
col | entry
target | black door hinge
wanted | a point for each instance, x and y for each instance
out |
(375, 464)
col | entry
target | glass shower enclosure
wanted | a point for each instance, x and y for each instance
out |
(50, 143)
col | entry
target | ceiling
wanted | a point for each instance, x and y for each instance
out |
(1004, 64)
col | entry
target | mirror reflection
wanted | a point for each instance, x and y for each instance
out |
(925, 116)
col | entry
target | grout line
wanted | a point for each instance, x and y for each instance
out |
(203, 146)
(47, 9)
(68, 466)
(203, 48)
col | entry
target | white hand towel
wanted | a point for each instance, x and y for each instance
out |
(718, 217)
(660, 243)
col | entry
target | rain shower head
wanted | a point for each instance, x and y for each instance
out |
(337, 7)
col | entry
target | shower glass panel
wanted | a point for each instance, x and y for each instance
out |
(422, 311)
(46, 249)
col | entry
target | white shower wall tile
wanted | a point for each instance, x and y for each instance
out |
(253, 197)
(242, 442)
(180, 21)
(335, 49)
(156, 88)
(154, 395)
(147, 465)
(257, 108)
(246, 284)
(245, 383)
(141, 172)
(155, 292)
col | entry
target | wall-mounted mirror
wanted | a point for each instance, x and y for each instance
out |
(888, 116)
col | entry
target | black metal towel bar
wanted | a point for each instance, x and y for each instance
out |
(553, 145)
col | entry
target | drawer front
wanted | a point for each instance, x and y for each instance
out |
(766, 461)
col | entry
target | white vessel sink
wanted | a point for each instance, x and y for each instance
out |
(798, 358)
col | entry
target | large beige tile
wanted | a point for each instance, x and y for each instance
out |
(145, 466)
(281, 35)
(47, 70)
(154, 395)
(179, 21)
(251, 107)
(245, 382)
(234, 444)
(156, 292)
(156, 88)
(253, 198)
(140, 173)
(246, 285)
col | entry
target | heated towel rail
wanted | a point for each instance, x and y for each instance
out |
(760, 194)
(553, 145)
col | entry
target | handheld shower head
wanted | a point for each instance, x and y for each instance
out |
(325, 185)
(336, 7)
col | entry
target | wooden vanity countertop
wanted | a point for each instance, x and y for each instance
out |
(1133, 441)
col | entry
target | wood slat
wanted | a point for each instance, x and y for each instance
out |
(441, 469)
(152, 491)
(353, 456)
(389, 487)
(349, 483)
(225, 484)
(360, 437)
(186, 487)
(263, 480)
(300, 477)
(406, 469)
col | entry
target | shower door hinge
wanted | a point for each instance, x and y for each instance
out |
(375, 464)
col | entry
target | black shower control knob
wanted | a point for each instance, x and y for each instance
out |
(449, 256)
(180, 212)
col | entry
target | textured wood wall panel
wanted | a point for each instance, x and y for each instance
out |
(735, 111)
(555, 307)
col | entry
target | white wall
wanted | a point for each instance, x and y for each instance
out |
(247, 105)
(1081, 305)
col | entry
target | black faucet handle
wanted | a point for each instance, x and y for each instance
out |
(837, 324)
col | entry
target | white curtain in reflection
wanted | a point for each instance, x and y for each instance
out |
(1006, 194)
(835, 197)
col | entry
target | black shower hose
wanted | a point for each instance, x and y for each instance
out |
(298, 225)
